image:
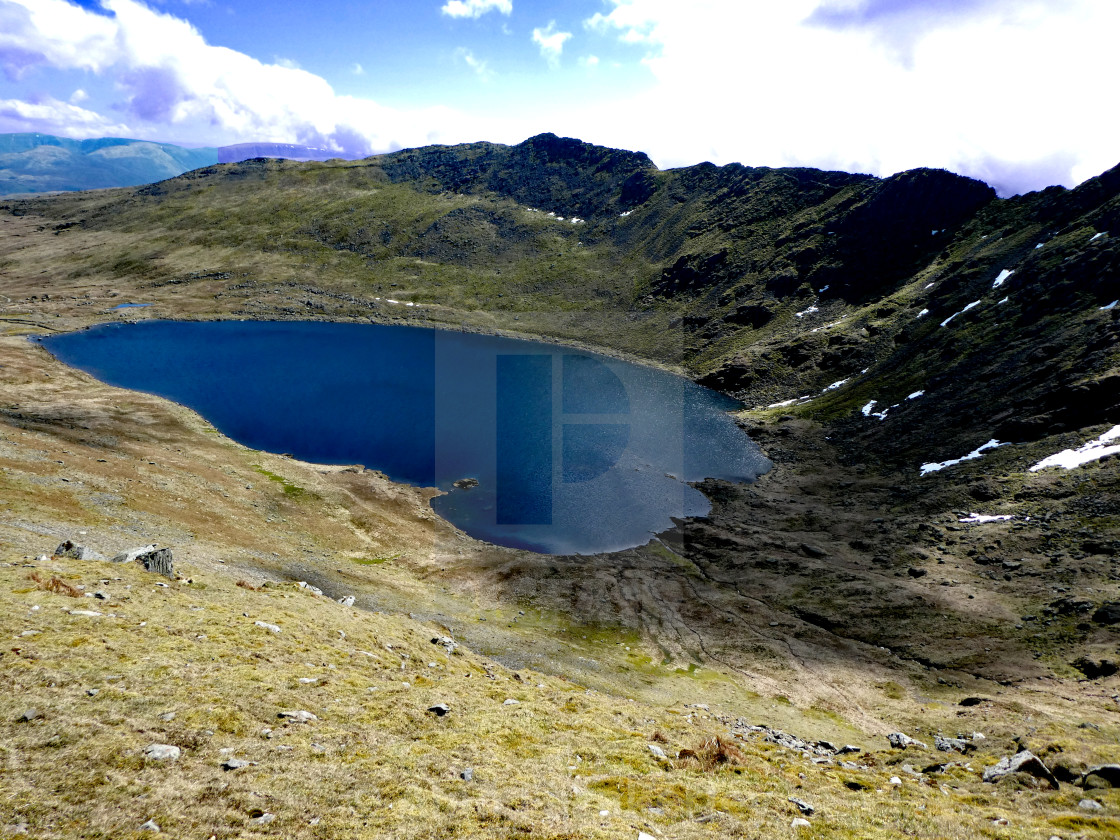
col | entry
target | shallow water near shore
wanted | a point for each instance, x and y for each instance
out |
(572, 452)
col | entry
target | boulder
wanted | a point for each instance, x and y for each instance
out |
(1108, 613)
(440, 709)
(1095, 670)
(901, 741)
(1102, 776)
(69, 548)
(951, 744)
(132, 554)
(1023, 762)
(162, 752)
(158, 562)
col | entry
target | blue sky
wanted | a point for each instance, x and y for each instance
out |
(1017, 92)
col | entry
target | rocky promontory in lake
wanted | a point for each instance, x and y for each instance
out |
(932, 369)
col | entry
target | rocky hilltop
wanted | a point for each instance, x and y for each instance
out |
(933, 371)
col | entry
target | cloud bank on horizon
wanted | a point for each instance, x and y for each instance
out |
(1014, 92)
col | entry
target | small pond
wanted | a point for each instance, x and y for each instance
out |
(572, 452)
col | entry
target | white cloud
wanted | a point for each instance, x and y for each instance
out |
(551, 42)
(290, 63)
(590, 61)
(357, 69)
(1013, 89)
(480, 67)
(45, 116)
(78, 96)
(475, 8)
(173, 83)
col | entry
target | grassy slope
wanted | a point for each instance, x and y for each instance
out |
(328, 240)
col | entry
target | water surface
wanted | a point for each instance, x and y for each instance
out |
(573, 452)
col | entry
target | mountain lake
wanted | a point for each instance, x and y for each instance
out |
(572, 452)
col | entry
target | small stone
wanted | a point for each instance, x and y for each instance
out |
(264, 819)
(93, 692)
(167, 717)
(895, 781)
(440, 709)
(347, 601)
(162, 752)
(1090, 805)
(467, 774)
(803, 806)
(102, 595)
(150, 825)
(813, 550)
(447, 643)
(297, 716)
(643, 836)
(71, 549)
(657, 751)
(800, 822)
(87, 613)
(30, 715)
(267, 626)
(604, 813)
(1000, 821)
(308, 680)
(510, 702)
(235, 764)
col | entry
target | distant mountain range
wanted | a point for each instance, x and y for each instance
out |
(38, 163)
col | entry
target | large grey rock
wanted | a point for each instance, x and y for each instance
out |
(158, 562)
(162, 752)
(1102, 776)
(901, 741)
(71, 549)
(951, 744)
(803, 806)
(1023, 762)
(1090, 805)
(440, 709)
(132, 554)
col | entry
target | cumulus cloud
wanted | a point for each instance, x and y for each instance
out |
(172, 82)
(551, 42)
(45, 115)
(475, 8)
(1011, 91)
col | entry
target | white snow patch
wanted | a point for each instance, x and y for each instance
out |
(1003, 275)
(867, 412)
(1098, 236)
(1094, 450)
(928, 286)
(390, 300)
(624, 214)
(1005, 300)
(979, 518)
(975, 453)
(1039, 245)
(575, 220)
(825, 289)
(808, 311)
(945, 323)
(915, 395)
(834, 385)
(1110, 306)
(934, 232)
(782, 404)
(922, 314)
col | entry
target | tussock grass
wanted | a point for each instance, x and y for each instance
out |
(184, 664)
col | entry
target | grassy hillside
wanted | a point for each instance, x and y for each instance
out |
(843, 596)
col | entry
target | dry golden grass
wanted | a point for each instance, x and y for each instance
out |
(185, 664)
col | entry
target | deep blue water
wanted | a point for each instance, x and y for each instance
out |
(573, 452)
